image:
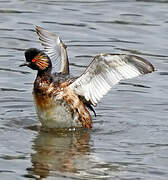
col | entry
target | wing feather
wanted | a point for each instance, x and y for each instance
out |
(55, 49)
(107, 70)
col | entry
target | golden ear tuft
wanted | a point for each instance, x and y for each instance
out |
(41, 61)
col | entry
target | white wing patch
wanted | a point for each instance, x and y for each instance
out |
(107, 70)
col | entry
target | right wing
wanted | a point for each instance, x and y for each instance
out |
(55, 49)
(107, 70)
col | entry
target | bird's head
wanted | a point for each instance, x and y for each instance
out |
(37, 60)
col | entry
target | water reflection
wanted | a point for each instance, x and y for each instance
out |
(61, 153)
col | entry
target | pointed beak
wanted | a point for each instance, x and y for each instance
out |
(24, 64)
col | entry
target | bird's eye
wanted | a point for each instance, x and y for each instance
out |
(33, 60)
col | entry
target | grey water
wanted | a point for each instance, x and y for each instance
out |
(129, 138)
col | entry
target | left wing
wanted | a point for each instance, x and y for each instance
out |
(107, 70)
(55, 49)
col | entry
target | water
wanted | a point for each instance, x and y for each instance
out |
(129, 135)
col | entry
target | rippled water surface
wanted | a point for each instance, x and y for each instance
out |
(129, 139)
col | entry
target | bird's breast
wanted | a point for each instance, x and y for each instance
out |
(60, 107)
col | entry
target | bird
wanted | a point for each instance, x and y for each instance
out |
(64, 101)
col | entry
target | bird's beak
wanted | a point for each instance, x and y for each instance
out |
(24, 64)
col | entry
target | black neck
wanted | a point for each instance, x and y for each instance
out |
(44, 73)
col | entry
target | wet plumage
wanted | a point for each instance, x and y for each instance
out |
(62, 101)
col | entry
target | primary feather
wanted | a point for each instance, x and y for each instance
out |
(55, 49)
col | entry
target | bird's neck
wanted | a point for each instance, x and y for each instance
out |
(42, 81)
(46, 72)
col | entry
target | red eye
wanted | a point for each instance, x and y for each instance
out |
(33, 60)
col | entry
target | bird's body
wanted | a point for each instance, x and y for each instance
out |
(57, 105)
(61, 100)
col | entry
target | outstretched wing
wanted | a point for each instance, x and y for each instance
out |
(107, 70)
(55, 49)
